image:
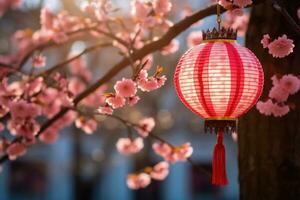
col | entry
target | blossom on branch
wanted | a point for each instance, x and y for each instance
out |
(171, 48)
(125, 88)
(162, 7)
(137, 181)
(173, 154)
(194, 38)
(116, 101)
(142, 179)
(145, 126)
(265, 41)
(128, 146)
(281, 47)
(15, 150)
(242, 3)
(89, 126)
(160, 171)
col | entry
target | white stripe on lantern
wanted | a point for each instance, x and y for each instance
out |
(186, 80)
(218, 78)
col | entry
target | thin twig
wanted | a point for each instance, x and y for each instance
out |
(85, 51)
(49, 44)
(287, 16)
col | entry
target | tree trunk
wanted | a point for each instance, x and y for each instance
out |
(269, 147)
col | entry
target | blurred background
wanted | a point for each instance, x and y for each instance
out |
(80, 166)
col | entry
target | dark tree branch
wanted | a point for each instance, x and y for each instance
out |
(287, 16)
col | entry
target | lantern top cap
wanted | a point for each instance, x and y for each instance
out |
(223, 33)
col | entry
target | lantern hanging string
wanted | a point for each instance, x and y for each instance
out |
(219, 15)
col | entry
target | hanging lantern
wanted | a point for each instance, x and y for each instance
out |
(219, 80)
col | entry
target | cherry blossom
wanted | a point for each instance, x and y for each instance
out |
(279, 93)
(125, 88)
(38, 61)
(22, 109)
(240, 23)
(171, 48)
(281, 47)
(161, 81)
(237, 12)
(162, 149)
(145, 126)
(116, 101)
(162, 6)
(15, 150)
(173, 154)
(265, 41)
(242, 3)
(133, 100)
(137, 181)
(5, 4)
(280, 110)
(194, 38)
(265, 108)
(140, 10)
(35, 86)
(277, 109)
(160, 171)
(49, 136)
(181, 153)
(105, 110)
(27, 128)
(128, 146)
(290, 83)
(148, 85)
(47, 19)
(78, 67)
(89, 126)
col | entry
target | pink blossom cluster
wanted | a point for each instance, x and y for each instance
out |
(30, 98)
(128, 146)
(173, 154)
(24, 101)
(131, 146)
(126, 89)
(194, 38)
(57, 28)
(142, 179)
(150, 13)
(239, 3)
(146, 16)
(237, 20)
(279, 93)
(278, 48)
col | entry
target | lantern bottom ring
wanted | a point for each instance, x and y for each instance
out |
(227, 125)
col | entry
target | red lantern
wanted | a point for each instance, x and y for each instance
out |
(219, 80)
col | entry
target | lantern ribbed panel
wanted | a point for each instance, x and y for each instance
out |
(219, 79)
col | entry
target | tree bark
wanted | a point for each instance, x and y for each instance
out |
(269, 147)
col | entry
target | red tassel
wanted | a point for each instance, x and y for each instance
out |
(219, 163)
